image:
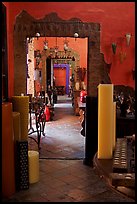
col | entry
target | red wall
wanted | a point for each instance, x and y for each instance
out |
(116, 19)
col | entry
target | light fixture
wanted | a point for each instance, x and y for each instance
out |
(29, 60)
(37, 35)
(76, 35)
(45, 44)
(66, 45)
(56, 53)
(114, 46)
(29, 39)
(128, 38)
(56, 47)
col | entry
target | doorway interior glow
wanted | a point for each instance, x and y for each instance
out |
(76, 47)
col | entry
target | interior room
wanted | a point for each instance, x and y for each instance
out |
(68, 92)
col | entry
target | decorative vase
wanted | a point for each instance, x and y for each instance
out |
(77, 86)
(82, 85)
(114, 46)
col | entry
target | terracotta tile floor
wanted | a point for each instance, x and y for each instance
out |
(63, 176)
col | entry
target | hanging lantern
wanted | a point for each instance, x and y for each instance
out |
(37, 35)
(76, 36)
(128, 38)
(114, 46)
(45, 47)
(66, 45)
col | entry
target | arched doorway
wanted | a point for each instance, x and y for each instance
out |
(45, 61)
(52, 25)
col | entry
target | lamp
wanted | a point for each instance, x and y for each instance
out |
(45, 44)
(56, 47)
(76, 35)
(29, 60)
(66, 45)
(37, 35)
(29, 39)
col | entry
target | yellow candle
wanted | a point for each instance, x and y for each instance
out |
(21, 105)
(16, 126)
(33, 163)
(105, 120)
(114, 126)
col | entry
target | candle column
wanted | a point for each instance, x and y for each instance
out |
(105, 121)
(114, 127)
(33, 161)
(8, 162)
(21, 105)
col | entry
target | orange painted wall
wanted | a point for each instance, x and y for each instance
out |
(79, 45)
(60, 76)
(116, 19)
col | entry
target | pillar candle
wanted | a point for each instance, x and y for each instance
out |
(8, 162)
(33, 163)
(21, 105)
(114, 126)
(105, 120)
(16, 126)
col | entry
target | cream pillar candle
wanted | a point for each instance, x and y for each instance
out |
(114, 126)
(33, 163)
(105, 120)
(21, 105)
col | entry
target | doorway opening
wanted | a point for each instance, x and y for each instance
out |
(50, 26)
(43, 63)
(57, 72)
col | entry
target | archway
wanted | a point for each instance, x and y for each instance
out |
(52, 25)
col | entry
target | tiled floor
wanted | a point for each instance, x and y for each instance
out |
(64, 177)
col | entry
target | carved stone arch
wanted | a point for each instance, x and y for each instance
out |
(53, 26)
(46, 54)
